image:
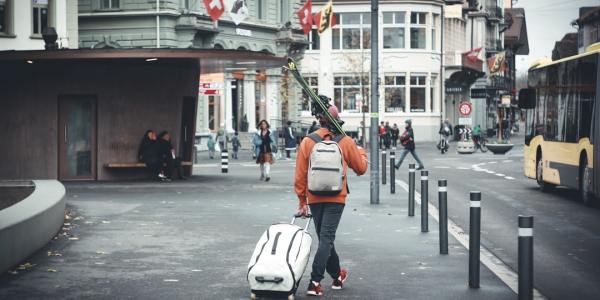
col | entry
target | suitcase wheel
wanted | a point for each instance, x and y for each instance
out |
(291, 297)
(252, 296)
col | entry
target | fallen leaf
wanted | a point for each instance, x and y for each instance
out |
(26, 266)
(52, 270)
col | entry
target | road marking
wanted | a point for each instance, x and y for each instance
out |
(463, 168)
(488, 259)
(490, 172)
(501, 175)
(492, 162)
(509, 178)
(507, 161)
(441, 167)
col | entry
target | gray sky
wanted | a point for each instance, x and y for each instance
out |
(547, 22)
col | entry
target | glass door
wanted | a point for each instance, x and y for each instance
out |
(77, 138)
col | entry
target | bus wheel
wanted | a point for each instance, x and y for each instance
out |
(539, 177)
(584, 184)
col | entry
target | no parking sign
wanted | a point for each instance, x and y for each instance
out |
(465, 108)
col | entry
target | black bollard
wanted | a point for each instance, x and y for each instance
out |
(224, 161)
(383, 161)
(392, 171)
(525, 257)
(443, 217)
(474, 239)
(424, 201)
(411, 190)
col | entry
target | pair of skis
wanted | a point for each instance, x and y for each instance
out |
(293, 68)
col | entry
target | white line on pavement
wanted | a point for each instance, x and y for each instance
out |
(491, 261)
(441, 167)
(501, 175)
(509, 178)
(463, 168)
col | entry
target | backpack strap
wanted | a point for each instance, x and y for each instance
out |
(315, 137)
(338, 138)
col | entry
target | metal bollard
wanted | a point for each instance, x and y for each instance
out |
(393, 171)
(443, 217)
(224, 161)
(383, 167)
(411, 190)
(424, 201)
(474, 239)
(525, 257)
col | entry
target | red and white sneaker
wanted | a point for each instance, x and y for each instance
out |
(314, 289)
(338, 283)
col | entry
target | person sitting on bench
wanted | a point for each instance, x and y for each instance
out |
(148, 154)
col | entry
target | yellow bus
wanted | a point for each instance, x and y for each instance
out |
(563, 123)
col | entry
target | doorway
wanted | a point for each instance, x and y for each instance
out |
(186, 140)
(77, 138)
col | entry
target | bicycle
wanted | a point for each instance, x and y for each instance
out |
(480, 142)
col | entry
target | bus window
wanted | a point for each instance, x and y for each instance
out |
(586, 93)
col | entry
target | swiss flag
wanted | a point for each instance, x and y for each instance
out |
(305, 16)
(215, 8)
(473, 54)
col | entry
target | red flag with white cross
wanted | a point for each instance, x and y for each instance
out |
(305, 16)
(215, 8)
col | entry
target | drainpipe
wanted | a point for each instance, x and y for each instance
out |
(157, 24)
(442, 73)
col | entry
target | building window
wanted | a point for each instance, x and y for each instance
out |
(5, 16)
(313, 81)
(349, 92)
(417, 30)
(110, 4)
(352, 32)
(260, 6)
(40, 16)
(393, 30)
(395, 93)
(580, 37)
(434, 25)
(417, 93)
(284, 11)
(432, 93)
(314, 42)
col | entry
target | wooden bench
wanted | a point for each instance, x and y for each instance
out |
(133, 165)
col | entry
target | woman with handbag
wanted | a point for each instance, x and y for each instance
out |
(265, 145)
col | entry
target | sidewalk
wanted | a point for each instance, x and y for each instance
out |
(193, 239)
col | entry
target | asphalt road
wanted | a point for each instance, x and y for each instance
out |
(566, 233)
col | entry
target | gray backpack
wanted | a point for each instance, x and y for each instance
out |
(326, 166)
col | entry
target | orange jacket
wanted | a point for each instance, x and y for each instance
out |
(354, 157)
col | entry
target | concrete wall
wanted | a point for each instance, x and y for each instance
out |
(28, 225)
(131, 98)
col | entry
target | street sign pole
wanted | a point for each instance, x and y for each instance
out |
(374, 145)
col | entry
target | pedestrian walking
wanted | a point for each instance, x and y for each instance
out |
(211, 146)
(505, 129)
(326, 208)
(395, 135)
(313, 127)
(290, 140)
(388, 135)
(445, 133)
(222, 138)
(408, 141)
(265, 144)
(381, 135)
(235, 145)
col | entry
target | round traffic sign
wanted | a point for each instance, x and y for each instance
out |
(465, 108)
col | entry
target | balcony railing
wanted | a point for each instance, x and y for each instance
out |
(493, 46)
(494, 13)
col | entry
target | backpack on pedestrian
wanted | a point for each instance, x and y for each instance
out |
(326, 166)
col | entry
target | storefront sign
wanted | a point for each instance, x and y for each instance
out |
(244, 32)
(478, 93)
(453, 89)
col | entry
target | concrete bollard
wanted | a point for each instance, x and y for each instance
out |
(525, 257)
(474, 239)
(411, 190)
(424, 201)
(383, 161)
(224, 161)
(443, 216)
(393, 171)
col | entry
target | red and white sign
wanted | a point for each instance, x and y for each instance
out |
(215, 8)
(305, 16)
(465, 108)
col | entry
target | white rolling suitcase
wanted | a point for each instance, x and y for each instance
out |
(279, 260)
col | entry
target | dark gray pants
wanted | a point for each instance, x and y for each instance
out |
(327, 218)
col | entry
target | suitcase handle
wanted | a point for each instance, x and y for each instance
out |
(261, 279)
(308, 216)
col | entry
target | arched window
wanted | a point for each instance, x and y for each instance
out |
(218, 46)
